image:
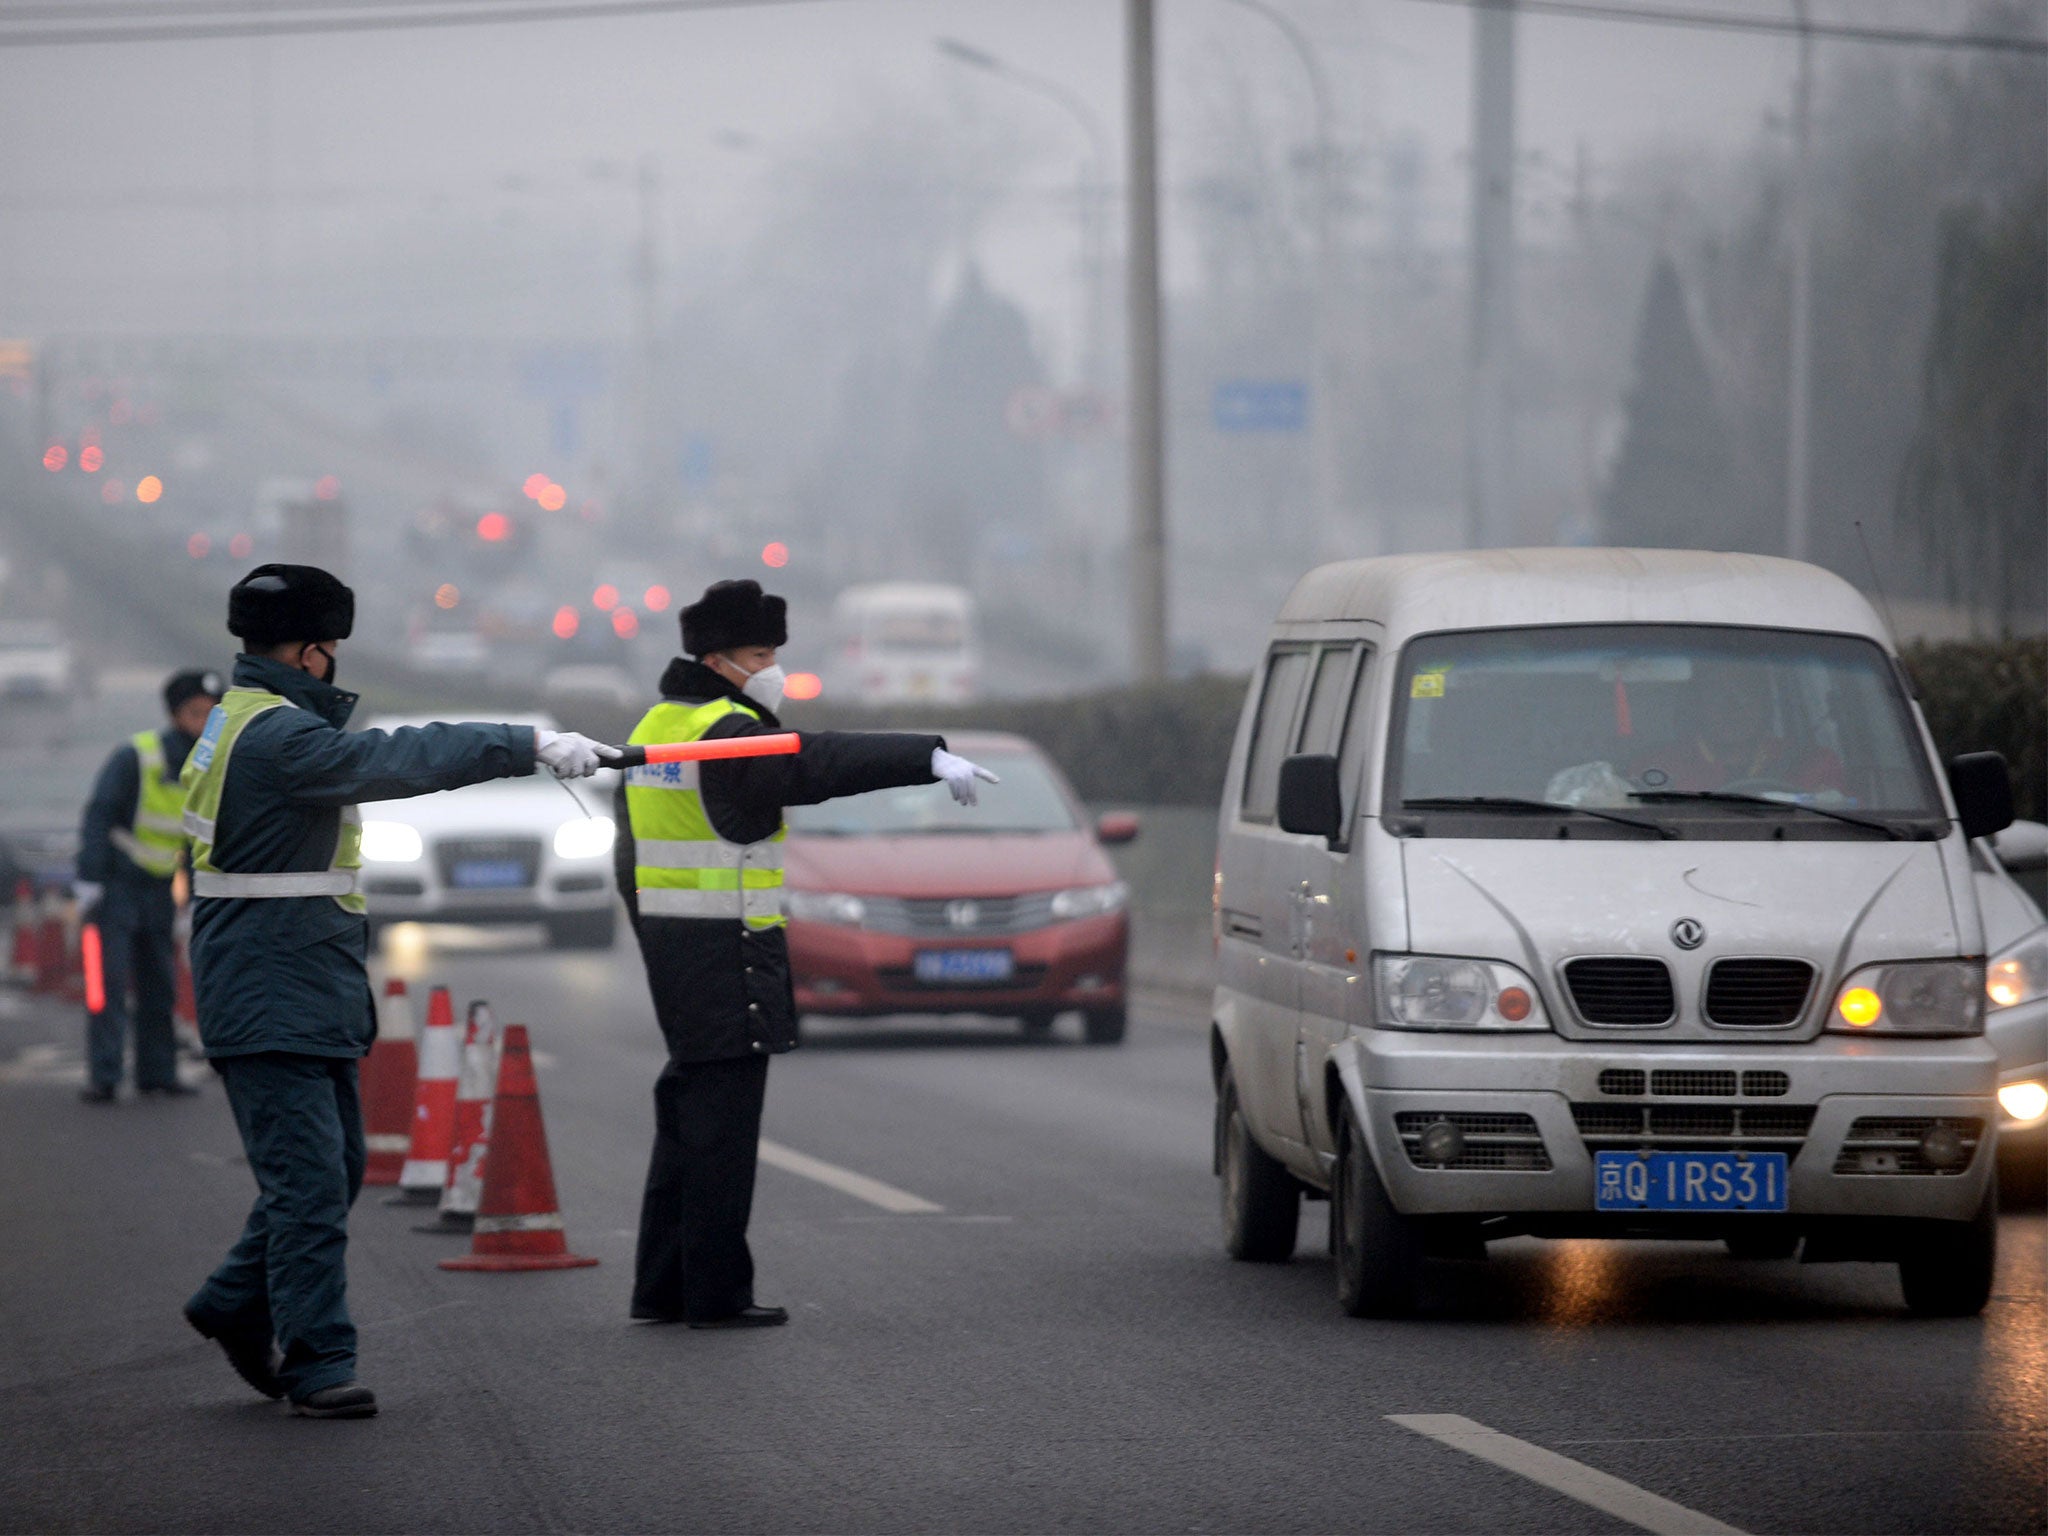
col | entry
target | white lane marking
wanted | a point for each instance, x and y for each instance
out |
(897, 1202)
(1574, 1479)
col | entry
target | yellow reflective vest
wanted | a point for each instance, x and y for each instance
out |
(155, 840)
(683, 868)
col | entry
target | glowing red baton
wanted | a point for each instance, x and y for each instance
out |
(781, 745)
(94, 961)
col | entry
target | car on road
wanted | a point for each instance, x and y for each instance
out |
(35, 660)
(510, 851)
(2016, 999)
(905, 642)
(902, 902)
(1601, 893)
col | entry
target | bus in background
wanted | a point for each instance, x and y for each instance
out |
(905, 642)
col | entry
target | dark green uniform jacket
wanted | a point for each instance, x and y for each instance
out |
(287, 973)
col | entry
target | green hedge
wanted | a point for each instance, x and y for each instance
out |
(1168, 745)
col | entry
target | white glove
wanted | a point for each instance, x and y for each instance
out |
(958, 775)
(567, 755)
(87, 894)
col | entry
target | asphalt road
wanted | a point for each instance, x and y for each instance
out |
(1061, 1346)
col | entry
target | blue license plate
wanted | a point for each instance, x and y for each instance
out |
(1689, 1181)
(487, 874)
(964, 967)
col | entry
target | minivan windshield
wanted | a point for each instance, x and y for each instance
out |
(1028, 799)
(1661, 721)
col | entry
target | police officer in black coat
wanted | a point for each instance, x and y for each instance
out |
(698, 863)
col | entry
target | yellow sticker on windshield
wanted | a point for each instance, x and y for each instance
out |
(1426, 685)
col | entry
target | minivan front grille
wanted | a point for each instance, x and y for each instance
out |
(1757, 994)
(1693, 1084)
(1755, 1127)
(1621, 991)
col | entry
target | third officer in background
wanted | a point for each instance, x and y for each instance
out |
(700, 867)
(129, 849)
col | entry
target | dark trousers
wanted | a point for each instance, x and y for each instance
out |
(693, 1260)
(302, 1127)
(137, 955)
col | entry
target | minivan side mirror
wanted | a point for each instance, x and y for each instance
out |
(2022, 847)
(1982, 785)
(1116, 827)
(1311, 796)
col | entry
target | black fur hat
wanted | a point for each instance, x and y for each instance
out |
(193, 684)
(277, 603)
(731, 614)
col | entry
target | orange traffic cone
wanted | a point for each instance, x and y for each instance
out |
(425, 1172)
(50, 946)
(471, 1142)
(21, 962)
(389, 1083)
(518, 1221)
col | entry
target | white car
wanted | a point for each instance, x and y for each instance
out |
(530, 850)
(34, 659)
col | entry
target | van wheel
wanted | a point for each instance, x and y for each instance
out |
(1105, 1026)
(1378, 1251)
(1261, 1199)
(1947, 1268)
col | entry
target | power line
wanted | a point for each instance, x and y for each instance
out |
(1784, 26)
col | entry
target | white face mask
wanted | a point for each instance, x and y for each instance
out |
(766, 686)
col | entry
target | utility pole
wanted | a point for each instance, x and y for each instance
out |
(1799, 370)
(1489, 414)
(1148, 406)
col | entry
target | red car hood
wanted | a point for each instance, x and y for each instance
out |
(947, 864)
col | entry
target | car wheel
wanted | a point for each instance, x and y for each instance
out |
(1765, 1244)
(1378, 1251)
(1947, 1267)
(1106, 1026)
(1036, 1025)
(1261, 1199)
(583, 930)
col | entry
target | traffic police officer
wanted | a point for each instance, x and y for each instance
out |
(700, 866)
(129, 848)
(278, 955)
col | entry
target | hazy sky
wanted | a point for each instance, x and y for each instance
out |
(124, 190)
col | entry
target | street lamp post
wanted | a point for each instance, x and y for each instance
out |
(1147, 350)
(1798, 384)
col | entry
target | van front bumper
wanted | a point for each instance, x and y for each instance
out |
(1834, 1106)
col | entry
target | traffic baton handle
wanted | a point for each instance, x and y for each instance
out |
(781, 744)
(93, 959)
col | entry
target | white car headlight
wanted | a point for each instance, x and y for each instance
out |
(826, 907)
(1090, 901)
(2018, 973)
(1912, 997)
(587, 837)
(1445, 992)
(391, 842)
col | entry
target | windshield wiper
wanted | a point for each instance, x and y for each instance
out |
(1517, 803)
(1732, 797)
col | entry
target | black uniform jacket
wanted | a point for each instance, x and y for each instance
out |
(720, 989)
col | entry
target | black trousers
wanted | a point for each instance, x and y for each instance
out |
(138, 954)
(693, 1260)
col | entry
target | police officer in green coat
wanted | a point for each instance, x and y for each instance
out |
(279, 946)
(129, 847)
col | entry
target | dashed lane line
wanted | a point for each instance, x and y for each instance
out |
(1574, 1479)
(891, 1199)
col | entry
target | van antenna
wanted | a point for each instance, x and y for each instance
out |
(1877, 582)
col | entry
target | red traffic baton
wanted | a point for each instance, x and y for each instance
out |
(781, 744)
(92, 959)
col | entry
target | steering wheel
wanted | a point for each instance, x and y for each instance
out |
(1760, 786)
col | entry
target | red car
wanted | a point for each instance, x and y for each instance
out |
(901, 901)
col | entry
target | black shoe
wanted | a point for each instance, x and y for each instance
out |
(350, 1400)
(173, 1091)
(254, 1357)
(96, 1095)
(749, 1317)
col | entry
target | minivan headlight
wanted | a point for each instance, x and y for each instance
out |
(826, 907)
(588, 837)
(1090, 901)
(391, 842)
(2018, 973)
(1444, 992)
(1912, 997)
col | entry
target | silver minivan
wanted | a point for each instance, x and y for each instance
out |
(1600, 893)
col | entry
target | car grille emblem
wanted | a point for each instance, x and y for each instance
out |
(1688, 933)
(963, 914)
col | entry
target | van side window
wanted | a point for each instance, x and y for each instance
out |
(1272, 733)
(1357, 735)
(1327, 696)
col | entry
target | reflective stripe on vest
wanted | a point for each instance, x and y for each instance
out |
(205, 775)
(683, 868)
(155, 840)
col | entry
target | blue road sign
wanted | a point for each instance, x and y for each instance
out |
(1260, 405)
